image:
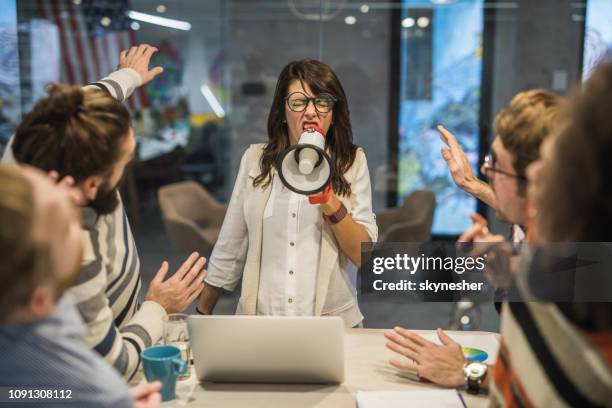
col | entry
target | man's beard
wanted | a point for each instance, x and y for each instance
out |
(106, 200)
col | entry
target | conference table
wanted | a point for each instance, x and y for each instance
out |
(366, 369)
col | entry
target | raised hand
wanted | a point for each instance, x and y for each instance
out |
(461, 169)
(138, 58)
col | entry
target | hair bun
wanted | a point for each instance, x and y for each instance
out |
(64, 101)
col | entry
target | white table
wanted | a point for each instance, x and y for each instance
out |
(367, 369)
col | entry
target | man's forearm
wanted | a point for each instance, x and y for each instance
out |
(208, 299)
(120, 84)
(483, 192)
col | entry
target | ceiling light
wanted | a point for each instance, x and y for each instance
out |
(162, 21)
(350, 20)
(422, 22)
(408, 22)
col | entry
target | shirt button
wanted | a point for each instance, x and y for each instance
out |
(290, 300)
(290, 272)
(293, 215)
(291, 243)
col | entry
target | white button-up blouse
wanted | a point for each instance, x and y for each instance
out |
(289, 260)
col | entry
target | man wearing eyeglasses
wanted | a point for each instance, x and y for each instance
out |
(520, 128)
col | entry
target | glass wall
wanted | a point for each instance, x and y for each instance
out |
(440, 82)
(406, 66)
(10, 91)
(598, 35)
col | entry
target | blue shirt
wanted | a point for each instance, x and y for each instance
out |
(49, 354)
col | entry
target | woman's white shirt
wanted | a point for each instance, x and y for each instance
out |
(290, 253)
(236, 241)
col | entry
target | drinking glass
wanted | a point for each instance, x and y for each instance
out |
(176, 334)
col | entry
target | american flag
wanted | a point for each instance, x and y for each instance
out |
(92, 34)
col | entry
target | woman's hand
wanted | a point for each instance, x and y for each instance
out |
(327, 199)
(322, 197)
(440, 364)
(331, 206)
(348, 233)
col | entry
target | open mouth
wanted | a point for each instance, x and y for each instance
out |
(308, 125)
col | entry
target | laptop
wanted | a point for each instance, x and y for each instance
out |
(267, 349)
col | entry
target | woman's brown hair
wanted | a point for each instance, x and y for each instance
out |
(339, 139)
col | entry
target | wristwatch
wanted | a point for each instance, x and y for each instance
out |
(475, 373)
(337, 216)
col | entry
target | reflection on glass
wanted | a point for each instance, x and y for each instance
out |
(440, 79)
(597, 35)
(10, 95)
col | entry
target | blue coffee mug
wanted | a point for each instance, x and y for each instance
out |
(164, 363)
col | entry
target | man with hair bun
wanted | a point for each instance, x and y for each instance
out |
(85, 134)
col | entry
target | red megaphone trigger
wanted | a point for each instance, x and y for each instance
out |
(315, 127)
(322, 197)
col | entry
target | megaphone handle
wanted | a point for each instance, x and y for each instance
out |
(323, 197)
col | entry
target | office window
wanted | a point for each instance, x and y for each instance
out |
(10, 94)
(598, 35)
(440, 79)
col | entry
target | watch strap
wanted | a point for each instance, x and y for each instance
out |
(337, 216)
(474, 382)
(473, 386)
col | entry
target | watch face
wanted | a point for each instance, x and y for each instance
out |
(475, 370)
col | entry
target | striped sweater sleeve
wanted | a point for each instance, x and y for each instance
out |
(116, 327)
(119, 84)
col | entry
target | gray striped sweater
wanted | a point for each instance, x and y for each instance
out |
(107, 290)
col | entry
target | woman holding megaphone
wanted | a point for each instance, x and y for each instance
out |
(300, 208)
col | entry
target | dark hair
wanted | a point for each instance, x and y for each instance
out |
(24, 261)
(74, 132)
(339, 139)
(530, 118)
(575, 199)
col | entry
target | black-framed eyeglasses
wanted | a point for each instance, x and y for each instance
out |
(489, 167)
(298, 102)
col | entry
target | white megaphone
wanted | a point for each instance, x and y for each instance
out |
(305, 168)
